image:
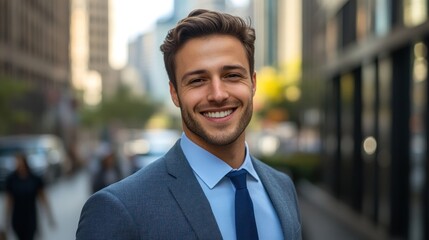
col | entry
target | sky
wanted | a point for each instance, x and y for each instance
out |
(131, 18)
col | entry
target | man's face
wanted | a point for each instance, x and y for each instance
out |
(214, 89)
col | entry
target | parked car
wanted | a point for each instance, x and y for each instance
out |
(46, 155)
(148, 146)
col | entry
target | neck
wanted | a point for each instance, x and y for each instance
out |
(233, 154)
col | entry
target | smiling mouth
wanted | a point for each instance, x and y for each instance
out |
(220, 114)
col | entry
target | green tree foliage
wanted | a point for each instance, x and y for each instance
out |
(11, 115)
(123, 108)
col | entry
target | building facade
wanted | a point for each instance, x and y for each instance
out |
(34, 50)
(369, 59)
(99, 42)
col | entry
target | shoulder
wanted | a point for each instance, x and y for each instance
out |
(125, 204)
(104, 216)
(144, 182)
(148, 183)
(143, 185)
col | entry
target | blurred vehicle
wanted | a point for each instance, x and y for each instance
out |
(148, 146)
(46, 155)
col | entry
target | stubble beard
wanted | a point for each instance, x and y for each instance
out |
(220, 137)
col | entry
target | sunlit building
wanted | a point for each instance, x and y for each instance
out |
(79, 43)
(86, 84)
(369, 62)
(99, 40)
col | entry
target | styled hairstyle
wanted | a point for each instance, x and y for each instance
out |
(199, 23)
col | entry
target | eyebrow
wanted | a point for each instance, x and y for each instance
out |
(193, 73)
(233, 67)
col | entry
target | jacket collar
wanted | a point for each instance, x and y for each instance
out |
(281, 201)
(189, 195)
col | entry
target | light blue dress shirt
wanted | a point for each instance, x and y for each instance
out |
(219, 190)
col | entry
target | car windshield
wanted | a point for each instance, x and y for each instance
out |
(9, 151)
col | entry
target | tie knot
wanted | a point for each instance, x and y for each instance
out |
(238, 178)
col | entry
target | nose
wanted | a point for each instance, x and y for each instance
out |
(218, 91)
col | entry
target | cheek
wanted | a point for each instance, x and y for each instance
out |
(190, 99)
(242, 92)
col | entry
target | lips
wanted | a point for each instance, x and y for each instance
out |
(219, 114)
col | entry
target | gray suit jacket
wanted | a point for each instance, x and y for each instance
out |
(165, 201)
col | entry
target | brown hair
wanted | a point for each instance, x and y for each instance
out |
(200, 23)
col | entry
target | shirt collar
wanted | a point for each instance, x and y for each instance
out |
(207, 166)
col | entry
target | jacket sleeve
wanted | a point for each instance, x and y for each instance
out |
(104, 217)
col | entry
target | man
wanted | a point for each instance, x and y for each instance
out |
(190, 193)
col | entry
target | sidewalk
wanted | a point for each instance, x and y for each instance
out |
(325, 218)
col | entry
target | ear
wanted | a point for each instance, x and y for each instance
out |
(173, 94)
(254, 83)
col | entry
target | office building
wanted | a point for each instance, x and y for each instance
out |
(369, 59)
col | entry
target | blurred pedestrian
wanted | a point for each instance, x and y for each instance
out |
(107, 170)
(23, 189)
(208, 186)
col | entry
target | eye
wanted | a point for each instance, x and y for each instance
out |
(196, 81)
(233, 76)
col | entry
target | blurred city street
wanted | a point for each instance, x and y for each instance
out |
(341, 105)
(320, 222)
(324, 218)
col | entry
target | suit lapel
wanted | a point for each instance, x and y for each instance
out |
(278, 199)
(189, 195)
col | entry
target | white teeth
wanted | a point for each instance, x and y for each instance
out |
(218, 114)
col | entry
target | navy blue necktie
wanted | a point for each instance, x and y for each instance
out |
(244, 217)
